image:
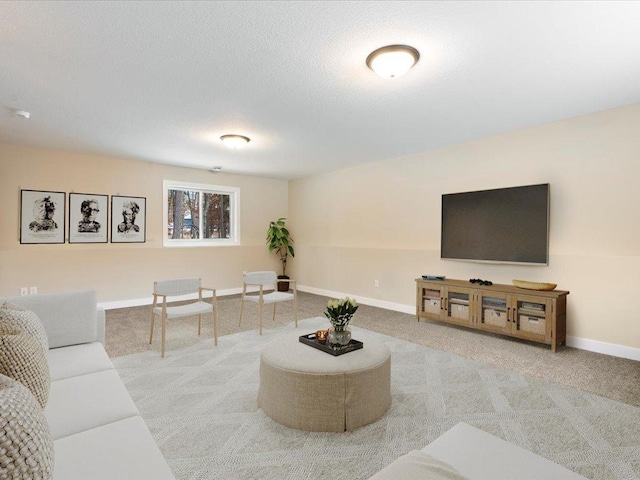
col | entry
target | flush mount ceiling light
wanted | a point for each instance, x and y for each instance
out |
(235, 141)
(392, 61)
(20, 113)
(216, 169)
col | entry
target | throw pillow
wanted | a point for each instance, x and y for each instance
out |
(25, 320)
(26, 448)
(22, 358)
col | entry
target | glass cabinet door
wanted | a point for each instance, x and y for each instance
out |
(457, 305)
(493, 312)
(430, 298)
(531, 317)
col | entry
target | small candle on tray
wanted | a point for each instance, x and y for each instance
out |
(321, 336)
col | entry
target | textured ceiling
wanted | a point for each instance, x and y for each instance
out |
(161, 81)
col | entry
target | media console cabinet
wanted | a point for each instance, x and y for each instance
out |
(539, 316)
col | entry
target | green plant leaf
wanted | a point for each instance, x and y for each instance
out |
(279, 240)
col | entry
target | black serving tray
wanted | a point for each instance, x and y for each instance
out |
(310, 339)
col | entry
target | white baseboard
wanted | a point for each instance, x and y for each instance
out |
(575, 342)
(396, 307)
(603, 347)
(137, 302)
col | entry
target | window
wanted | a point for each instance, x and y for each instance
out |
(198, 215)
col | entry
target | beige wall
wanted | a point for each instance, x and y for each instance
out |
(125, 271)
(379, 221)
(382, 220)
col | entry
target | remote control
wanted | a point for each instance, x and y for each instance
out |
(433, 277)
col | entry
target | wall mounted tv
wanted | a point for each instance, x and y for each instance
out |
(505, 225)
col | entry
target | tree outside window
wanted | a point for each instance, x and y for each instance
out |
(200, 214)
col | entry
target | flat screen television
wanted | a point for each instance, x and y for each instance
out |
(504, 225)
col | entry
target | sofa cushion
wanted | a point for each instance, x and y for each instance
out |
(78, 360)
(22, 358)
(418, 465)
(26, 448)
(486, 457)
(68, 318)
(121, 450)
(23, 319)
(87, 401)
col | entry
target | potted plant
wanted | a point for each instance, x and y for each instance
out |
(279, 240)
(340, 312)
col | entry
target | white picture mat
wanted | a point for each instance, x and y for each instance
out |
(130, 235)
(76, 217)
(33, 229)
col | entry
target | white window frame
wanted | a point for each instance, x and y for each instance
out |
(234, 215)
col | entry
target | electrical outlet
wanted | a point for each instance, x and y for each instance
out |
(33, 290)
(24, 291)
(376, 283)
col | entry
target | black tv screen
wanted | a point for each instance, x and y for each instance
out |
(505, 225)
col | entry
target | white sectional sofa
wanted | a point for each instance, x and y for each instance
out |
(97, 430)
(465, 452)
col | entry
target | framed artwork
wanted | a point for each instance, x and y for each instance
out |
(88, 218)
(128, 219)
(42, 216)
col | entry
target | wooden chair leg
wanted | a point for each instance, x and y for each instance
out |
(164, 322)
(215, 322)
(241, 309)
(295, 305)
(153, 318)
(199, 323)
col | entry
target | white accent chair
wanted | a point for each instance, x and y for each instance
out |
(175, 288)
(262, 280)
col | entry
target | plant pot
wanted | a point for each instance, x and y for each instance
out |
(283, 286)
(339, 337)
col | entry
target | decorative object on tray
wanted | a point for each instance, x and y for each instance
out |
(534, 285)
(335, 350)
(321, 335)
(340, 312)
(339, 336)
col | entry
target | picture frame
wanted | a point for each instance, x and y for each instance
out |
(42, 216)
(128, 219)
(88, 218)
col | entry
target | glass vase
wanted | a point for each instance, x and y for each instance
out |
(339, 336)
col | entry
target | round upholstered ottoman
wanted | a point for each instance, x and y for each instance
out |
(305, 388)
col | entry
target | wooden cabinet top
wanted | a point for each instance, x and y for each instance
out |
(497, 287)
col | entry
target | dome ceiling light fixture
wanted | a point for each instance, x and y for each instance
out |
(235, 141)
(20, 113)
(393, 61)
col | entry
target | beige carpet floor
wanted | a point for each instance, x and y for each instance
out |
(127, 331)
(200, 405)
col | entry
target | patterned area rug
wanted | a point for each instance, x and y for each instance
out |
(200, 405)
